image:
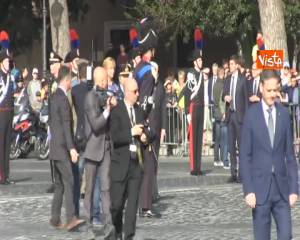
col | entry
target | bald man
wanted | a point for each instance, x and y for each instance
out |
(97, 151)
(129, 142)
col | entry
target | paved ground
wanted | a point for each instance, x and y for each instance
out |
(191, 207)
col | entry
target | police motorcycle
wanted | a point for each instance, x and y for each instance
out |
(23, 134)
(42, 143)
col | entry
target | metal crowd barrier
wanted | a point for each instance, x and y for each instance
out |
(176, 140)
(295, 124)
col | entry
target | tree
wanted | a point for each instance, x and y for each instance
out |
(216, 18)
(59, 16)
(23, 20)
(292, 23)
(272, 23)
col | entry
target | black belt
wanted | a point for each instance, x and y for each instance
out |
(107, 138)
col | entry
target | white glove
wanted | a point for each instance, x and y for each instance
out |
(189, 118)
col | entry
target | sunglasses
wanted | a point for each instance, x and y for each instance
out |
(135, 91)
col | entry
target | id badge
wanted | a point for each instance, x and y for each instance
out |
(132, 148)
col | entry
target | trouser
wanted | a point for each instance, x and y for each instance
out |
(234, 128)
(5, 142)
(148, 179)
(280, 209)
(221, 143)
(76, 187)
(196, 136)
(120, 192)
(102, 169)
(63, 185)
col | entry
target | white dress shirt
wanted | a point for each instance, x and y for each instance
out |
(266, 114)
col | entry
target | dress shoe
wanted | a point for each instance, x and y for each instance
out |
(8, 182)
(50, 189)
(57, 224)
(74, 224)
(238, 180)
(232, 180)
(109, 231)
(149, 214)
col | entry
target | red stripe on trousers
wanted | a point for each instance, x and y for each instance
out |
(191, 138)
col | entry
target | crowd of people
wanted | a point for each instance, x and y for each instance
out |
(106, 131)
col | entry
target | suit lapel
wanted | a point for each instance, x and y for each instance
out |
(277, 127)
(125, 113)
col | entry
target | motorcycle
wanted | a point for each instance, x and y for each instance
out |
(43, 134)
(23, 134)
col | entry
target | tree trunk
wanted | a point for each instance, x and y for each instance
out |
(272, 24)
(296, 51)
(59, 16)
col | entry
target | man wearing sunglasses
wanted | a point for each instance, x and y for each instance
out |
(129, 142)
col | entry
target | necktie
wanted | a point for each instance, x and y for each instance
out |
(271, 126)
(232, 93)
(254, 87)
(131, 116)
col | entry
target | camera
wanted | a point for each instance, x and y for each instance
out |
(103, 95)
(146, 129)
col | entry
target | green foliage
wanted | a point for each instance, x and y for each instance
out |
(215, 17)
(18, 19)
(292, 17)
(22, 19)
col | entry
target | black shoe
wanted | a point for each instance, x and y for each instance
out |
(8, 182)
(50, 189)
(156, 198)
(238, 180)
(198, 173)
(149, 214)
(232, 180)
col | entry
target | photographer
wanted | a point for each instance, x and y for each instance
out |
(97, 109)
(130, 137)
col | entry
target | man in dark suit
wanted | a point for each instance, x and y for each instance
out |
(236, 96)
(253, 85)
(97, 150)
(158, 117)
(129, 140)
(62, 152)
(211, 83)
(267, 163)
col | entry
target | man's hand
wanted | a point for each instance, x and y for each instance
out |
(74, 155)
(251, 200)
(143, 138)
(293, 199)
(254, 98)
(137, 130)
(227, 98)
(110, 103)
(162, 135)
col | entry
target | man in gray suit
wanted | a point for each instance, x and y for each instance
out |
(62, 152)
(97, 151)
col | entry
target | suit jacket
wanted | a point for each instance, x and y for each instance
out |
(60, 126)
(211, 89)
(250, 89)
(257, 156)
(96, 128)
(120, 128)
(157, 117)
(241, 95)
